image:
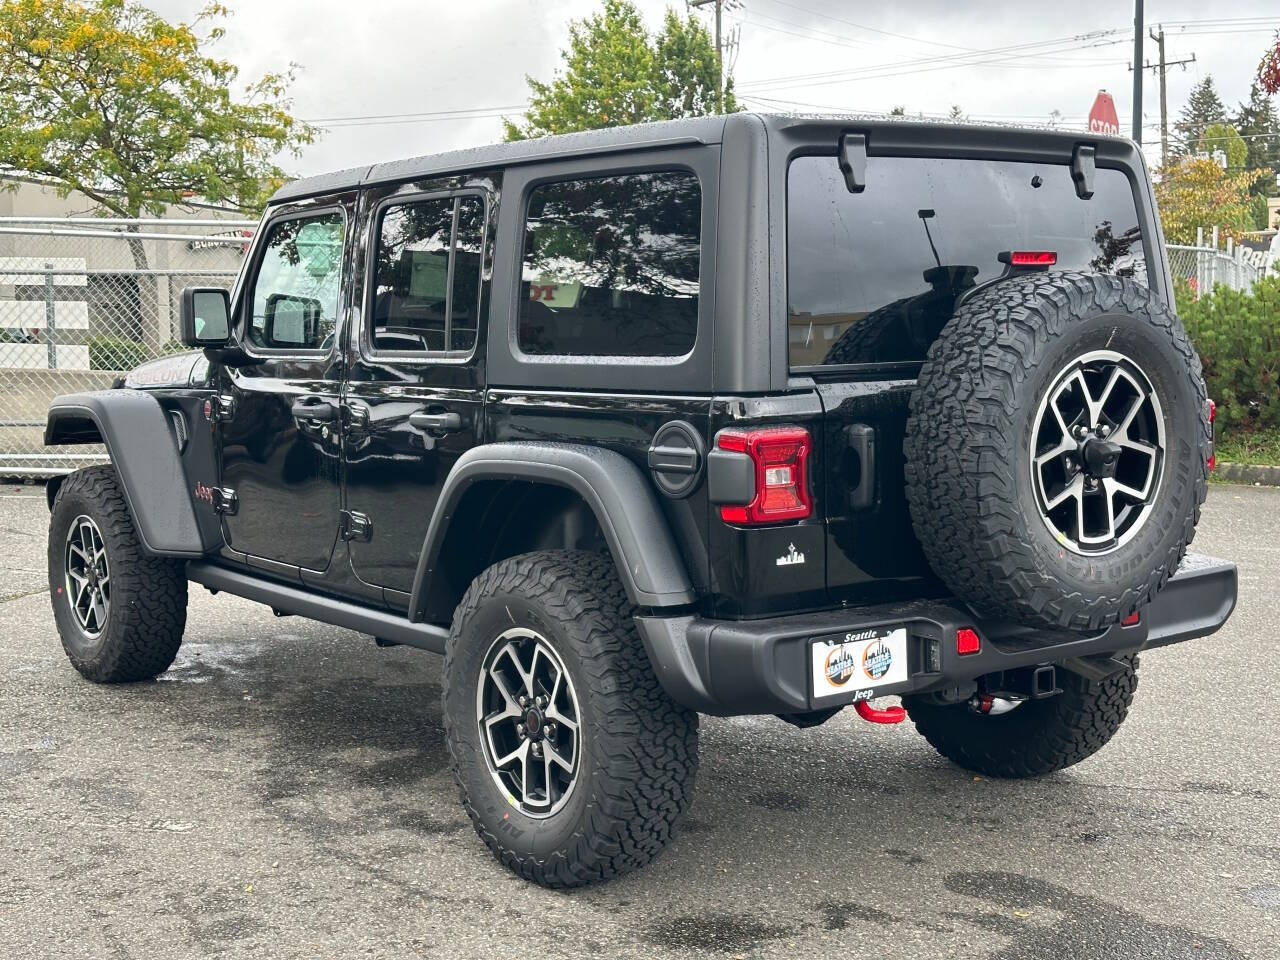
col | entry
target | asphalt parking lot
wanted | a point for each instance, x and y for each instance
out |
(283, 792)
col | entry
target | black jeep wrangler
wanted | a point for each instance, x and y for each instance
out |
(736, 415)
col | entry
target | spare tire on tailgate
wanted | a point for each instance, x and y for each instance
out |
(1056, 452)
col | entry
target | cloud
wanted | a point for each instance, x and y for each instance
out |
(372, 58)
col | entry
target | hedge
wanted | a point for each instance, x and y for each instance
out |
(1238, 338)
(116, 353)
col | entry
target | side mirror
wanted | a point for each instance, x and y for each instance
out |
(205, 317)
(291, 321)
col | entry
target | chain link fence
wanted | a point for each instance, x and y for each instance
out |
(1206, 267)
(84, 301)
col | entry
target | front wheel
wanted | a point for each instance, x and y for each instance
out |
(573, 763)
(1038, 736)
(119, 610)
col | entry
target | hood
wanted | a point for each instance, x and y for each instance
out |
(176, 370)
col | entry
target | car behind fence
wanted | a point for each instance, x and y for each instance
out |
(83, 301)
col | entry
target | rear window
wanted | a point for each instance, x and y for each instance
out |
(611, 266)
(873, 276)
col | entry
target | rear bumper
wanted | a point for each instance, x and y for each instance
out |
(731, 667)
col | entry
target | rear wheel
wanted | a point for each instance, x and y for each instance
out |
(119, 610)
(573, 763)
(1037, 736)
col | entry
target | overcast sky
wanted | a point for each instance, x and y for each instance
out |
(998, 60)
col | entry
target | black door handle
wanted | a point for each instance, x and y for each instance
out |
(446, 422)
(319, 412)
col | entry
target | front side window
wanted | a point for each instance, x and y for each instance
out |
(874, 276)
(427, 276)
(295, 295)
(611, 266)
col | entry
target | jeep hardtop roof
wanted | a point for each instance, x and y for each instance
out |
(920, 136)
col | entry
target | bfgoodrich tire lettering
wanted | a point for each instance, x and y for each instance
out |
(970, 439)
(142, 626)
(637, 748)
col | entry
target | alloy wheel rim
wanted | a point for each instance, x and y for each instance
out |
(87, 576)
(529, 722)
(1097, 453)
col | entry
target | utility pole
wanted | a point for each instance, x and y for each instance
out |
(1162, 68)
(719, 51)
(1138, 32)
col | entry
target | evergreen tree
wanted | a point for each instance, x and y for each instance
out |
(1258, 123)
(1203, 107)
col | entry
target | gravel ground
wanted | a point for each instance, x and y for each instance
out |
(283, 792)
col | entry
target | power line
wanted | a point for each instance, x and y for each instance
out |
(420, 113)
(845, 77)
(860, 26)
(1081, 41)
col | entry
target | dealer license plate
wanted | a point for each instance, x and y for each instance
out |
(859, 662)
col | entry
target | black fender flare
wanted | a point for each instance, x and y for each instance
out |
(136, 432)
(623, 502)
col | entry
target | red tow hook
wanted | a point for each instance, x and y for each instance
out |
(873, 715)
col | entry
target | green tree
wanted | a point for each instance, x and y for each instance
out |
(1195, 192)
(686, 69)
(1203, 107)
(1223, 136)
(113, 101)
(1259, 125)
(615, 73)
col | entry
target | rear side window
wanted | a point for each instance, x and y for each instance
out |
(611, 266)
(426, 293)
(873, 276)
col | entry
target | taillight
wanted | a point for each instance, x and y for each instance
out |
(781, 459)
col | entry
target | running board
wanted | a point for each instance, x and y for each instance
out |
(382, 624)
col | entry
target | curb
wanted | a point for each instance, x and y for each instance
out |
(1265, 476)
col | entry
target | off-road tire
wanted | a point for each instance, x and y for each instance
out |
(148, 609)
(1036, 738)
(967, 441)
(638, 748)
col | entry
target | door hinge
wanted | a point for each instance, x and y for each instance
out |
(353, 525)
(225, 501)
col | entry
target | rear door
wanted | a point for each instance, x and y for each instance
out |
(414, 394)
(872, 279)
(279, 442)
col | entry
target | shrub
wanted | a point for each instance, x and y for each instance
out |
(1238, 338)
(116, 353)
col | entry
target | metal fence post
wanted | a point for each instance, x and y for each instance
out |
(50, 324)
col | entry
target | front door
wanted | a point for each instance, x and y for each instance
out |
(280, 429)
(414, 395)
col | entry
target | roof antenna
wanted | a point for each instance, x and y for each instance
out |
(925, 216)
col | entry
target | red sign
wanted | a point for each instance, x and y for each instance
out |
(1102, 118)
